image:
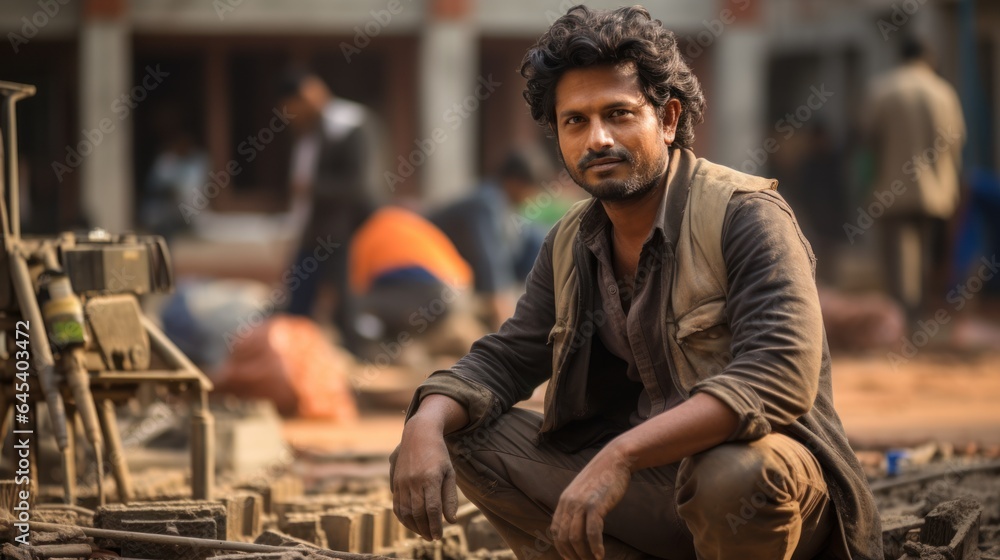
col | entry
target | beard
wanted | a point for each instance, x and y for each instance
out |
(643, 176)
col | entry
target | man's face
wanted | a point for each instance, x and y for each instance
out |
(305, 115)
(612, 141)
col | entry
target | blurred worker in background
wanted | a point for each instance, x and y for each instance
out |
(411, 288)
(489, 234)
(916, 132)
(179, 170)
(332, 188)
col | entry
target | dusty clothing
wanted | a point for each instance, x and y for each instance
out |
(757, 343)
(517, 481)
(917, 131)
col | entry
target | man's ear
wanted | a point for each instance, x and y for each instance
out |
(671, 117)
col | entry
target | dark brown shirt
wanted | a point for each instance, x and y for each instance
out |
(631, 330)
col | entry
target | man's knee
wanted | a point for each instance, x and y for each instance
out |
(474, 453)
(470, 474)
(738, 478)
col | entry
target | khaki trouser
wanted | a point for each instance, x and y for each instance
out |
(765, 499)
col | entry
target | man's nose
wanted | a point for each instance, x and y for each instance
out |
(600, 137)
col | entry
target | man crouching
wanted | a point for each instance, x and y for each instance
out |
(675, 316)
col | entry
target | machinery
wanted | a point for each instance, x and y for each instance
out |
(72, 333)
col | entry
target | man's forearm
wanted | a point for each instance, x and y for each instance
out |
(439, 413)
(700, 423)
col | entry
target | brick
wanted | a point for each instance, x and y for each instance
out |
(244, 510)
(340, 529)
(305, 527)
(391, 527)
(366, 531)
(275, 491)
(954, 525)
(111, 516)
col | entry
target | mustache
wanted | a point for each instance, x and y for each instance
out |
(616, 152)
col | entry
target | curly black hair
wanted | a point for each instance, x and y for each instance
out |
(585, 37)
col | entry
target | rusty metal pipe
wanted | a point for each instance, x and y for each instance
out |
(173, 356)
(12, 94)
(208, 544)
(79, 383)
(44, 362)
(116, 451)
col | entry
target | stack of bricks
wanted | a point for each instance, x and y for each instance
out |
(362, 523)
(190, 518)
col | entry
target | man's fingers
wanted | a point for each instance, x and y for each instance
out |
(449, 491)
(404, 511)
(558, 538)
(595, 535)
(419, 513)
(392, 468)
(578, 536)
(432, 505)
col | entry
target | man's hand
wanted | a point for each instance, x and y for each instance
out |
(578, 523)
(423, 480)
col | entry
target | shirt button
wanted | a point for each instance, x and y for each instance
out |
(612, 289)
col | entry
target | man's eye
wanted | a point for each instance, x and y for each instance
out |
(574, 120)
(619, 113)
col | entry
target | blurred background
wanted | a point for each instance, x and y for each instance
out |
(172, 117)
(353, 191)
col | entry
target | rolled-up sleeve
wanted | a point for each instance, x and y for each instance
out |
(774, 314)
(503, 368)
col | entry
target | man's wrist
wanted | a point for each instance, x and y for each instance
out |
(620, 451)
(425, 422)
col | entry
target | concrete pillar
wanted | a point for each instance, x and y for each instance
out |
(738, 106)
(449, 108)
(105, 76)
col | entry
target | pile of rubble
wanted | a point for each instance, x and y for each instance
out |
(945, 507)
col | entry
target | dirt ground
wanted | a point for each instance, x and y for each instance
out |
(935, 397)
